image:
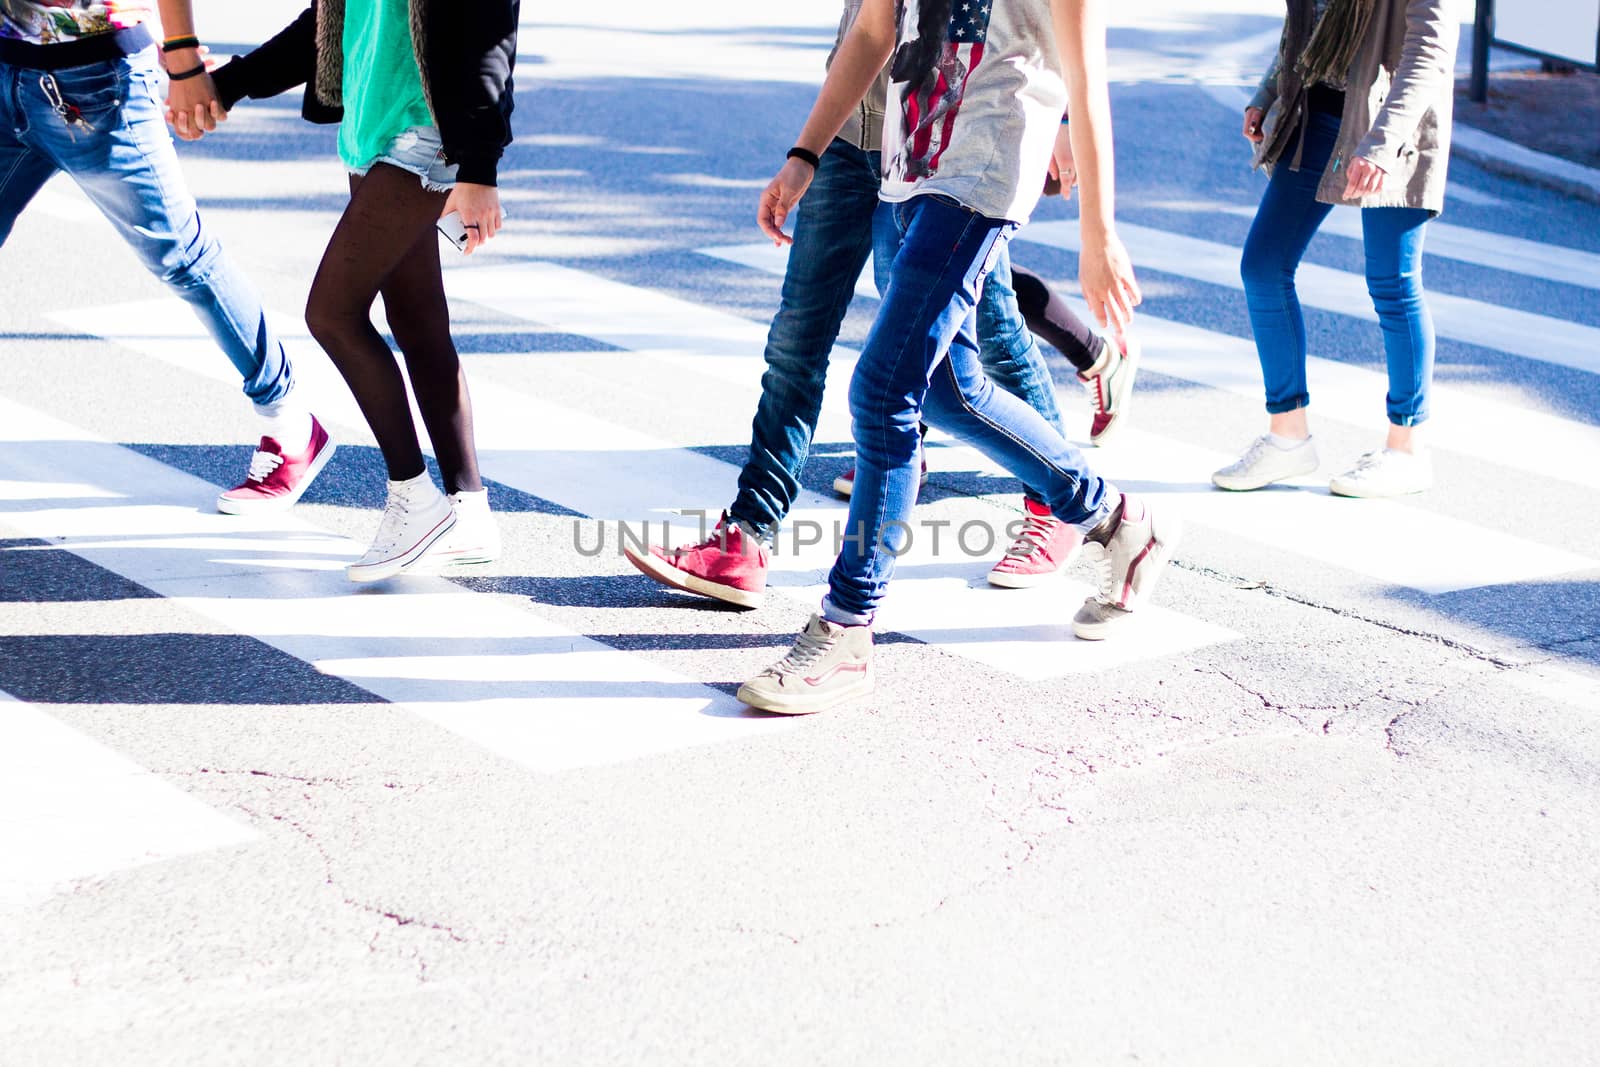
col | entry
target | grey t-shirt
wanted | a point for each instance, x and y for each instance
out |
(973, 113)
(864, 127)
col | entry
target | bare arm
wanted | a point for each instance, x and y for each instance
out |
(1104, 271)
(192, 105)
(856, 65)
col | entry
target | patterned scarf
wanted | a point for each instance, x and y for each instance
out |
(1334, 42)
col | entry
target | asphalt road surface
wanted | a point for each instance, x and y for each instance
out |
(1334, 802)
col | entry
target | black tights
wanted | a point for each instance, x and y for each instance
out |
(1049, 317)
(385, 243)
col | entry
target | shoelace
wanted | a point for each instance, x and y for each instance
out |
(1100, 556)
(1253, 454)
(1368, 463)
(262, 464)
(806, 651)
(1036, 531)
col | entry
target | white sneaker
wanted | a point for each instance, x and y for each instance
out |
(1386, 472)
(414, 518)
(473, 540)
(1264, 463)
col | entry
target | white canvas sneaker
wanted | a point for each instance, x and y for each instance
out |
(828, 665)
(1386, 472)
(1131, 563)
(473, 540)
(1264, 463)
(414, 518)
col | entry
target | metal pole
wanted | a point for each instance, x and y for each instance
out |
(1482, 33)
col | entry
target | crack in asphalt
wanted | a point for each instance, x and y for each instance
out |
(397, 918)
(1247, 584)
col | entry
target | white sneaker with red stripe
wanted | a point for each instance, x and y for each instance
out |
(1041, 550)
(415, 517)
(1111, 387)
(1132, 561)
(828, 665)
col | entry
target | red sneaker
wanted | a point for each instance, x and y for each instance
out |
(1045, 545)
(1111, 389)
(276, 480)
(846, 482)
(730, 565)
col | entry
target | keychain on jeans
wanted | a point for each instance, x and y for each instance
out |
(68, 113)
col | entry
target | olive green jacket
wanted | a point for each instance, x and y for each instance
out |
(1397, 109)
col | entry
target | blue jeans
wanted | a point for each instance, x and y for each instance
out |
(1392, 237)
(921, 361)
(127, 166)
(837, 224)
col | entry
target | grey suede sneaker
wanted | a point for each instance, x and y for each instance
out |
(828, 665)
(1132, 561)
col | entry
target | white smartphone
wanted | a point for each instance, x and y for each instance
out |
(454, 230)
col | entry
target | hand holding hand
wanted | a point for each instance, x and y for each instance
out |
(779, 198)
(479, 206)
(1362, 178)
(1253, 118)
(193, 108)
(1106, 276)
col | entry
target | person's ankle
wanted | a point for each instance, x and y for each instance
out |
(1107, 527)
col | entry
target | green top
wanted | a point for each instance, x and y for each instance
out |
(382, 86)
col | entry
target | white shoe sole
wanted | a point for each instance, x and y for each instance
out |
(807, 703)
(405, 561)
(1012, 580)
(690, 583)
(279, 503)
(1357, 491)
(1238, 484)
(1135, 351)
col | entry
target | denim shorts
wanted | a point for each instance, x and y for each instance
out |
(419, 151)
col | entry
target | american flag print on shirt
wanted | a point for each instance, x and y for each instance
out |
(937, 77)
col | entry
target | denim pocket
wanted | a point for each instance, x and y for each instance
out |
(94, 90)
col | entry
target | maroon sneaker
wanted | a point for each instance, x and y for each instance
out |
(1111, 388)
(846, 482)
(276, 480)
(730, 565)
(1045, 545)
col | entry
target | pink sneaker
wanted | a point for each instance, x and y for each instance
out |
(276, 480)
(1111, 389)
(846, 482)
(730, 566)
(1045, 545)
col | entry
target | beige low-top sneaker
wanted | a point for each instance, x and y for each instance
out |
(1386, 472)
(828, 665)
(1264, 463)
(1131, 562)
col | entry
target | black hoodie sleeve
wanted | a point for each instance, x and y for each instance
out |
(469, 57)
(288, 60)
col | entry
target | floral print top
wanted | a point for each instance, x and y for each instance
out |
(57, 21)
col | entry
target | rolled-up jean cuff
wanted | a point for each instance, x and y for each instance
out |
(1408, 420)
(1294, 403)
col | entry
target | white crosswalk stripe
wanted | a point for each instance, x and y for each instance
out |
(263, 577)
(1536, 442)
(524, 688)
(70, 808)
(1518, 333)
(602, 469)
